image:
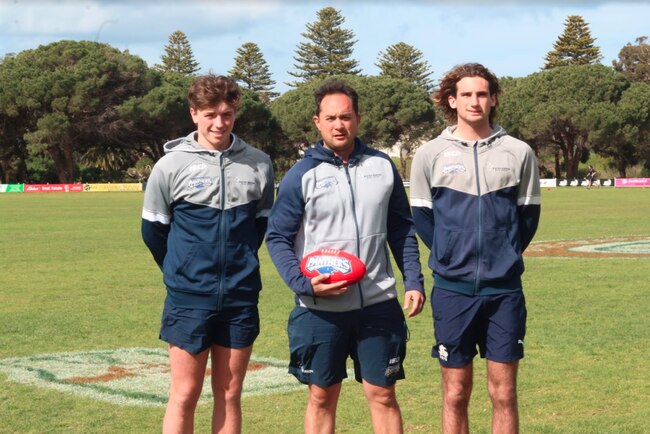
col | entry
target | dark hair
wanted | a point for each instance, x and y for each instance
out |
(210, 90)
(448, 83)
(336, 86)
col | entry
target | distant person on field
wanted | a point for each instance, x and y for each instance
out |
(591, 176)
(205, 213)
(345, 195)
(476, 203)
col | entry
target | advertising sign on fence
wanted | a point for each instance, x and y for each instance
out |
(11, 188)
(53, 188)
(632, 182)
(127, 186)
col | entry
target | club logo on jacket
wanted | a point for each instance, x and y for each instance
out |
(454, 169)
(200, 183)
(328, 182)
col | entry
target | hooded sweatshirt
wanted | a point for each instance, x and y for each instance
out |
(476, 205)
(204, 218)
(359, 208)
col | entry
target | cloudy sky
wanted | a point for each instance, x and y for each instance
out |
(511, 37)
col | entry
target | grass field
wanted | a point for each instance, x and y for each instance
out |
(76, 277)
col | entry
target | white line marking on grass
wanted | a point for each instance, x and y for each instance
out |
(132, 376)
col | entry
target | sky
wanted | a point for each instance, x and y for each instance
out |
(510, 37)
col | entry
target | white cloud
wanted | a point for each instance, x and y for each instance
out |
(510, 37)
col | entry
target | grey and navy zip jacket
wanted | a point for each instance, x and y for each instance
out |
(204, 217)
(360, 208)
(476, 205)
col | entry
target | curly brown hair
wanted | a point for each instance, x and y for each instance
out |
(210, 90)
(447, 88)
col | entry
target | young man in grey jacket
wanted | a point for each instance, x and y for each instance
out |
(476, 203)
(205, 213)
(344, 195)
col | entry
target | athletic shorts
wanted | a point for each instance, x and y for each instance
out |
(494, 323)
(374, 337)
(196, 330)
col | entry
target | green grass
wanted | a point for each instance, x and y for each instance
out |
(75, 276)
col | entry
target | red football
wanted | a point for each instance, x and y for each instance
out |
(339, 264)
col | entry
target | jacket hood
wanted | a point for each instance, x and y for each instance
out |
(497, 132)
(321, 153)
(189, 144)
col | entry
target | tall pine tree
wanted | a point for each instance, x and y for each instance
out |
(252, 71)
(329, 50)
(403, 61)
(575, 46)
(178, 56)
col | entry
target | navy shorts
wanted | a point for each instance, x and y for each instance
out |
(196, 330)
(374, 337)
(494, 323)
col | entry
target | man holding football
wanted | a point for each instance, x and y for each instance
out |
(346, 196)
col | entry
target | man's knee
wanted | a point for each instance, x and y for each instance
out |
(185, 396)
(323, 397)
(503, 395)
(382, 396)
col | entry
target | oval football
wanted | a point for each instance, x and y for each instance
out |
(339, 264)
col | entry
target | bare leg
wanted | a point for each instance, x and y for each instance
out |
(502, 386)
(320, 417)
(384, 409)
(228, 371)
(456, 391)
(187, 374)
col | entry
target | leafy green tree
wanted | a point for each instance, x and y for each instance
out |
(252, 71)
(634, 61)
(62, 95)
(178, 56)
(403, 61)
(329, 49)
(392, 112)
(257, 125)
(562, 110)
(575, 46)
(623, 131)
(148, 121)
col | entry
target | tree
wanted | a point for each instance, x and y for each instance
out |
(624, 128)
(257, 125)
(60, 96)
(575, 46)
(563, 109)
(178, 56)
(252, 71)
(146, 122)
(404, 61)
(329, 51)
(634, 61)
(392, 112)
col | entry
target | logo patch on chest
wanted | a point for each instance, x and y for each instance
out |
(328, 182)
(454, 169)
(200, 183)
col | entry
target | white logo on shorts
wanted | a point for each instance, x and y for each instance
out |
(442, 351)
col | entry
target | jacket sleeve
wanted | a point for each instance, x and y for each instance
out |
(156, 215)
(421, 199)
(266, 202)
(401, 236)
(528, 199)
(283, 226)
